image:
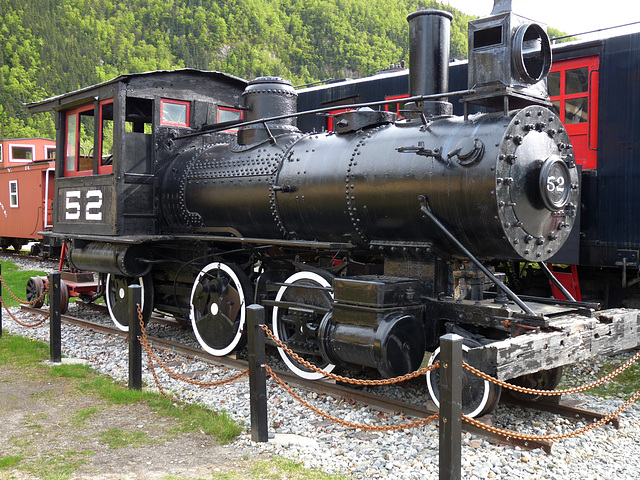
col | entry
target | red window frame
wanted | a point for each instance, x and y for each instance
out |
(103, 168)
(229, 109)
(164, 101)
(584, 136)
(75, 172)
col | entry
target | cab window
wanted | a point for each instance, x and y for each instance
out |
(105, 164)
(174, 113)
(79, 141)
(227, 114)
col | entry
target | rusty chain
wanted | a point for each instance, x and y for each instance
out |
(340, 378)
(574, 433)
(144, 341)
(24, 302)
(344, 423)
(550, 393)
(27, 325)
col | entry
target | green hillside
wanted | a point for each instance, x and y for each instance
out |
(49, 47)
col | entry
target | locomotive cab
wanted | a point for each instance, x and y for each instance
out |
(109, 151)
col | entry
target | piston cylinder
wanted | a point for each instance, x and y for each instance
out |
(394, 346)
(117, 259)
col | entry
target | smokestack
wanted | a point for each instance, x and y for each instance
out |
(429, 45)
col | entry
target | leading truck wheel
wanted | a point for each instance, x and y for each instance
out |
(479, 396)
(118, 299)
(219, 299)
(305, 299)
(35, 291)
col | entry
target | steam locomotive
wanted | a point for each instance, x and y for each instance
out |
(364, 244)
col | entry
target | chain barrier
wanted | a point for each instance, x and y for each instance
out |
(23, 302)
(340, 378)
(531, 391)
(380, 428)
(549, 393)
(574, 433)
(27, 325)
(144, 341)
(344, 423)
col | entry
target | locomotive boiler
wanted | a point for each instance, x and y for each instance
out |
(364, 244)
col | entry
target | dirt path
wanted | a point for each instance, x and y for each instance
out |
(55, 430)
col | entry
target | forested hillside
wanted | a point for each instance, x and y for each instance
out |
(49, 47)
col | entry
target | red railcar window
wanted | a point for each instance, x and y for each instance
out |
(573, 88)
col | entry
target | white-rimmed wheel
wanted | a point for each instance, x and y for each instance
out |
(118, 301)
(219, 299)
(479, 396)
(303, 301)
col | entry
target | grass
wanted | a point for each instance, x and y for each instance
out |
(16, 281)
(81, 416)
(58, 466)
(118, 438)
(625, 384)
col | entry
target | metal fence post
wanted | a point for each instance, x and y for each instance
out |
(134, 297)
(55, 318)
(450, 407)
(257, 374)
(1, 302)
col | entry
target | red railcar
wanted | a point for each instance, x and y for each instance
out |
(27, 176)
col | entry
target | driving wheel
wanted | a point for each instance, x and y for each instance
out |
(118, 299)
(302, 302)
(219, 299)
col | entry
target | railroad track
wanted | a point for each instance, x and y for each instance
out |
(330, 387)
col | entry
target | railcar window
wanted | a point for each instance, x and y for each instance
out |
(21, 153)
(577, 80)
(139, 115)
(226, 114)
(13, 194)
(175, 112)
(576, 110)
(553, 84)
(49, 153)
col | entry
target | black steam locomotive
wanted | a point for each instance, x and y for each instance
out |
(364, 244)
